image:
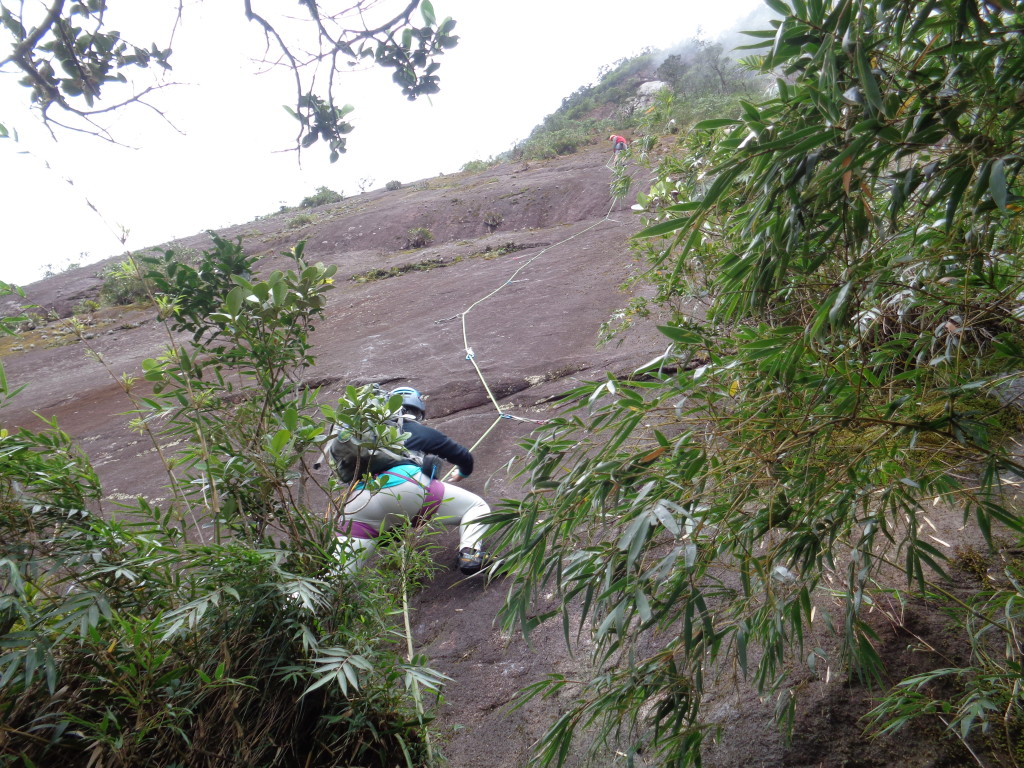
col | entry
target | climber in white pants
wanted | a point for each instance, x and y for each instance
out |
(410, 495)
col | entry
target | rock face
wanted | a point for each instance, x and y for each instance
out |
(526, 263)
(554, 263)
(647, 93)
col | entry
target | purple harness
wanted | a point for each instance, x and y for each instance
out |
(358, 530)
(431, 502)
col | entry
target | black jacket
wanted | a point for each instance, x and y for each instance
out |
(429, 440)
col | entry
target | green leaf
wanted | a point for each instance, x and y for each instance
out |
(643, 607)
(997, 183)
(663, 228)
(838, 310)
(664, 514)
(279, 441)
(681, 335)
(709, 125)
(234, 299)
(428, 13)
(279, 291)
(291, 418)
(752, 113)
(867, 81)
(813, 141)
(779, 7)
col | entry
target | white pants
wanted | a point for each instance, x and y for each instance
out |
(389, 507)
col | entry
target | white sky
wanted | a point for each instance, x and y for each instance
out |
(513, 65)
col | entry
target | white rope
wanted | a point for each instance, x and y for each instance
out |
(471, 356)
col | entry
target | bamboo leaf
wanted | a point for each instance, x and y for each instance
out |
(997, 183)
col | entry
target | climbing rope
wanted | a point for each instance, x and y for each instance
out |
(471, 356)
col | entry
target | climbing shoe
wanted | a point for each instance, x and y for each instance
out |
(471, 560)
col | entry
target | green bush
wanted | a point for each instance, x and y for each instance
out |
(419, 237)
(381, 273)
(85, 306)
(156, 636)
(123, 284)
(581, 110)
(393, 186)
(302, 220)
(475, 166)
(131, 281)
(322, 196)
(191, 294)
(559, 136)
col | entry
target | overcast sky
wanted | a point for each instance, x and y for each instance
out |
(513, 65)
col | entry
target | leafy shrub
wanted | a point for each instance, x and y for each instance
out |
(322, 196)
(190, 295)
(493, 220)
(393, 186)
(85, 306)
(131, 281)
(475, 166)
(559, 137)
(123, 284)
(503, 250)
(581, 110)
(380, 273)
(420, 237)
(567, 142)
(301, 220)
(27, 321)
(165, 632)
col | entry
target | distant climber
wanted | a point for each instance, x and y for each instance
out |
(413, 492)
(618, 143)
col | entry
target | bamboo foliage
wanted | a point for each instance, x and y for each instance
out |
(857, 239)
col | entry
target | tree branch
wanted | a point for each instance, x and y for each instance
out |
(403, 16)
(29, 43)
(269, 30)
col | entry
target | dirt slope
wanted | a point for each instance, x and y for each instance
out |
(532, 291)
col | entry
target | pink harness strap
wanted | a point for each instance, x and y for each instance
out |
(357, 530)
(431, 502)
